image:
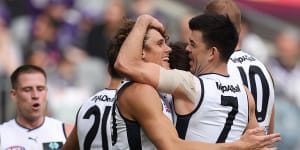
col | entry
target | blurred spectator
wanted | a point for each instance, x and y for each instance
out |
(63, 12)
(285, 64)
(94, 8)
(65, 97)
(10, 53)
(74, 79)
(100, 35)
(90, 72)
(285, 68)
(251, 42)
(44, 37)
(138, 7)
(184, 30)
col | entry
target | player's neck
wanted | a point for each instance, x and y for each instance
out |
(30, 123)
(114, 83)
(238, 46)
(218, 68)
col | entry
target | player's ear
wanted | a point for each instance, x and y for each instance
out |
(13, 94)
(214, 52)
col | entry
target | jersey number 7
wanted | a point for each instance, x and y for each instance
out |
(233, 102)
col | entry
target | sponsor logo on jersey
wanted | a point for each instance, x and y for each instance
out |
(103, 98)
(226, 88)
(33, 139)
(15, 148)
(242, 59)
(52, 145)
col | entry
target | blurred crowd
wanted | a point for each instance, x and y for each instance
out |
(68, 38)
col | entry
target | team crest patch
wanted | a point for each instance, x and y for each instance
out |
(52, 145)
(15, 148)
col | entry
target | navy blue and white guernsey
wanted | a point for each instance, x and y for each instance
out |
(49, 136)
(221, 114)
(249, 71)
(94, 121)
(128, 133)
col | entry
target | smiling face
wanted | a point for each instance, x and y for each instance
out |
(199, 53)
(30, 95)
(156, 50)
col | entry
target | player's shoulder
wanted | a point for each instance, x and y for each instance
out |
(242, 57)
(136, 87)
(50, 120)
(105, 95)
(8, 123)
(137, 92)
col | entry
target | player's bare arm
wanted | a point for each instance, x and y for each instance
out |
(252, 118)
(135, 68)
(132, 65)
(253, 139)
(272, 121)
(146, 109)
(72, 141)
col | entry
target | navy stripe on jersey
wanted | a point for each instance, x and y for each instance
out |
(76, 119)
(182, 122)
(114, 124)
(65, 133)
(133, 134)
(103, 128)
(114, 134)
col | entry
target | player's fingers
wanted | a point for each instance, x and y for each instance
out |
(270, 139)
(157, 24)
(271, 148)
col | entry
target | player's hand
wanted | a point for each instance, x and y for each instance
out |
(253, 140)
(150, 21)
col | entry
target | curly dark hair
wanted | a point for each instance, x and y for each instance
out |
(119, 38)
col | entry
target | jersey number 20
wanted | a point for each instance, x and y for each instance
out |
(93, 131)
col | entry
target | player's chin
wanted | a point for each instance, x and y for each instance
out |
(165, 64)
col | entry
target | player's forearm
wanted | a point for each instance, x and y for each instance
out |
(272, 120)
(131, 51)
(191, 145)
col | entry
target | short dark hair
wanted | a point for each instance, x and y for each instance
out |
(25, 69)
(217, 31)
(179, 58)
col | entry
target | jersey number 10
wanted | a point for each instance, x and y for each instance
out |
(256, 71)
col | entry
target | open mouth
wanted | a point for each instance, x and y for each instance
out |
(35, 105)
(166, 59)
